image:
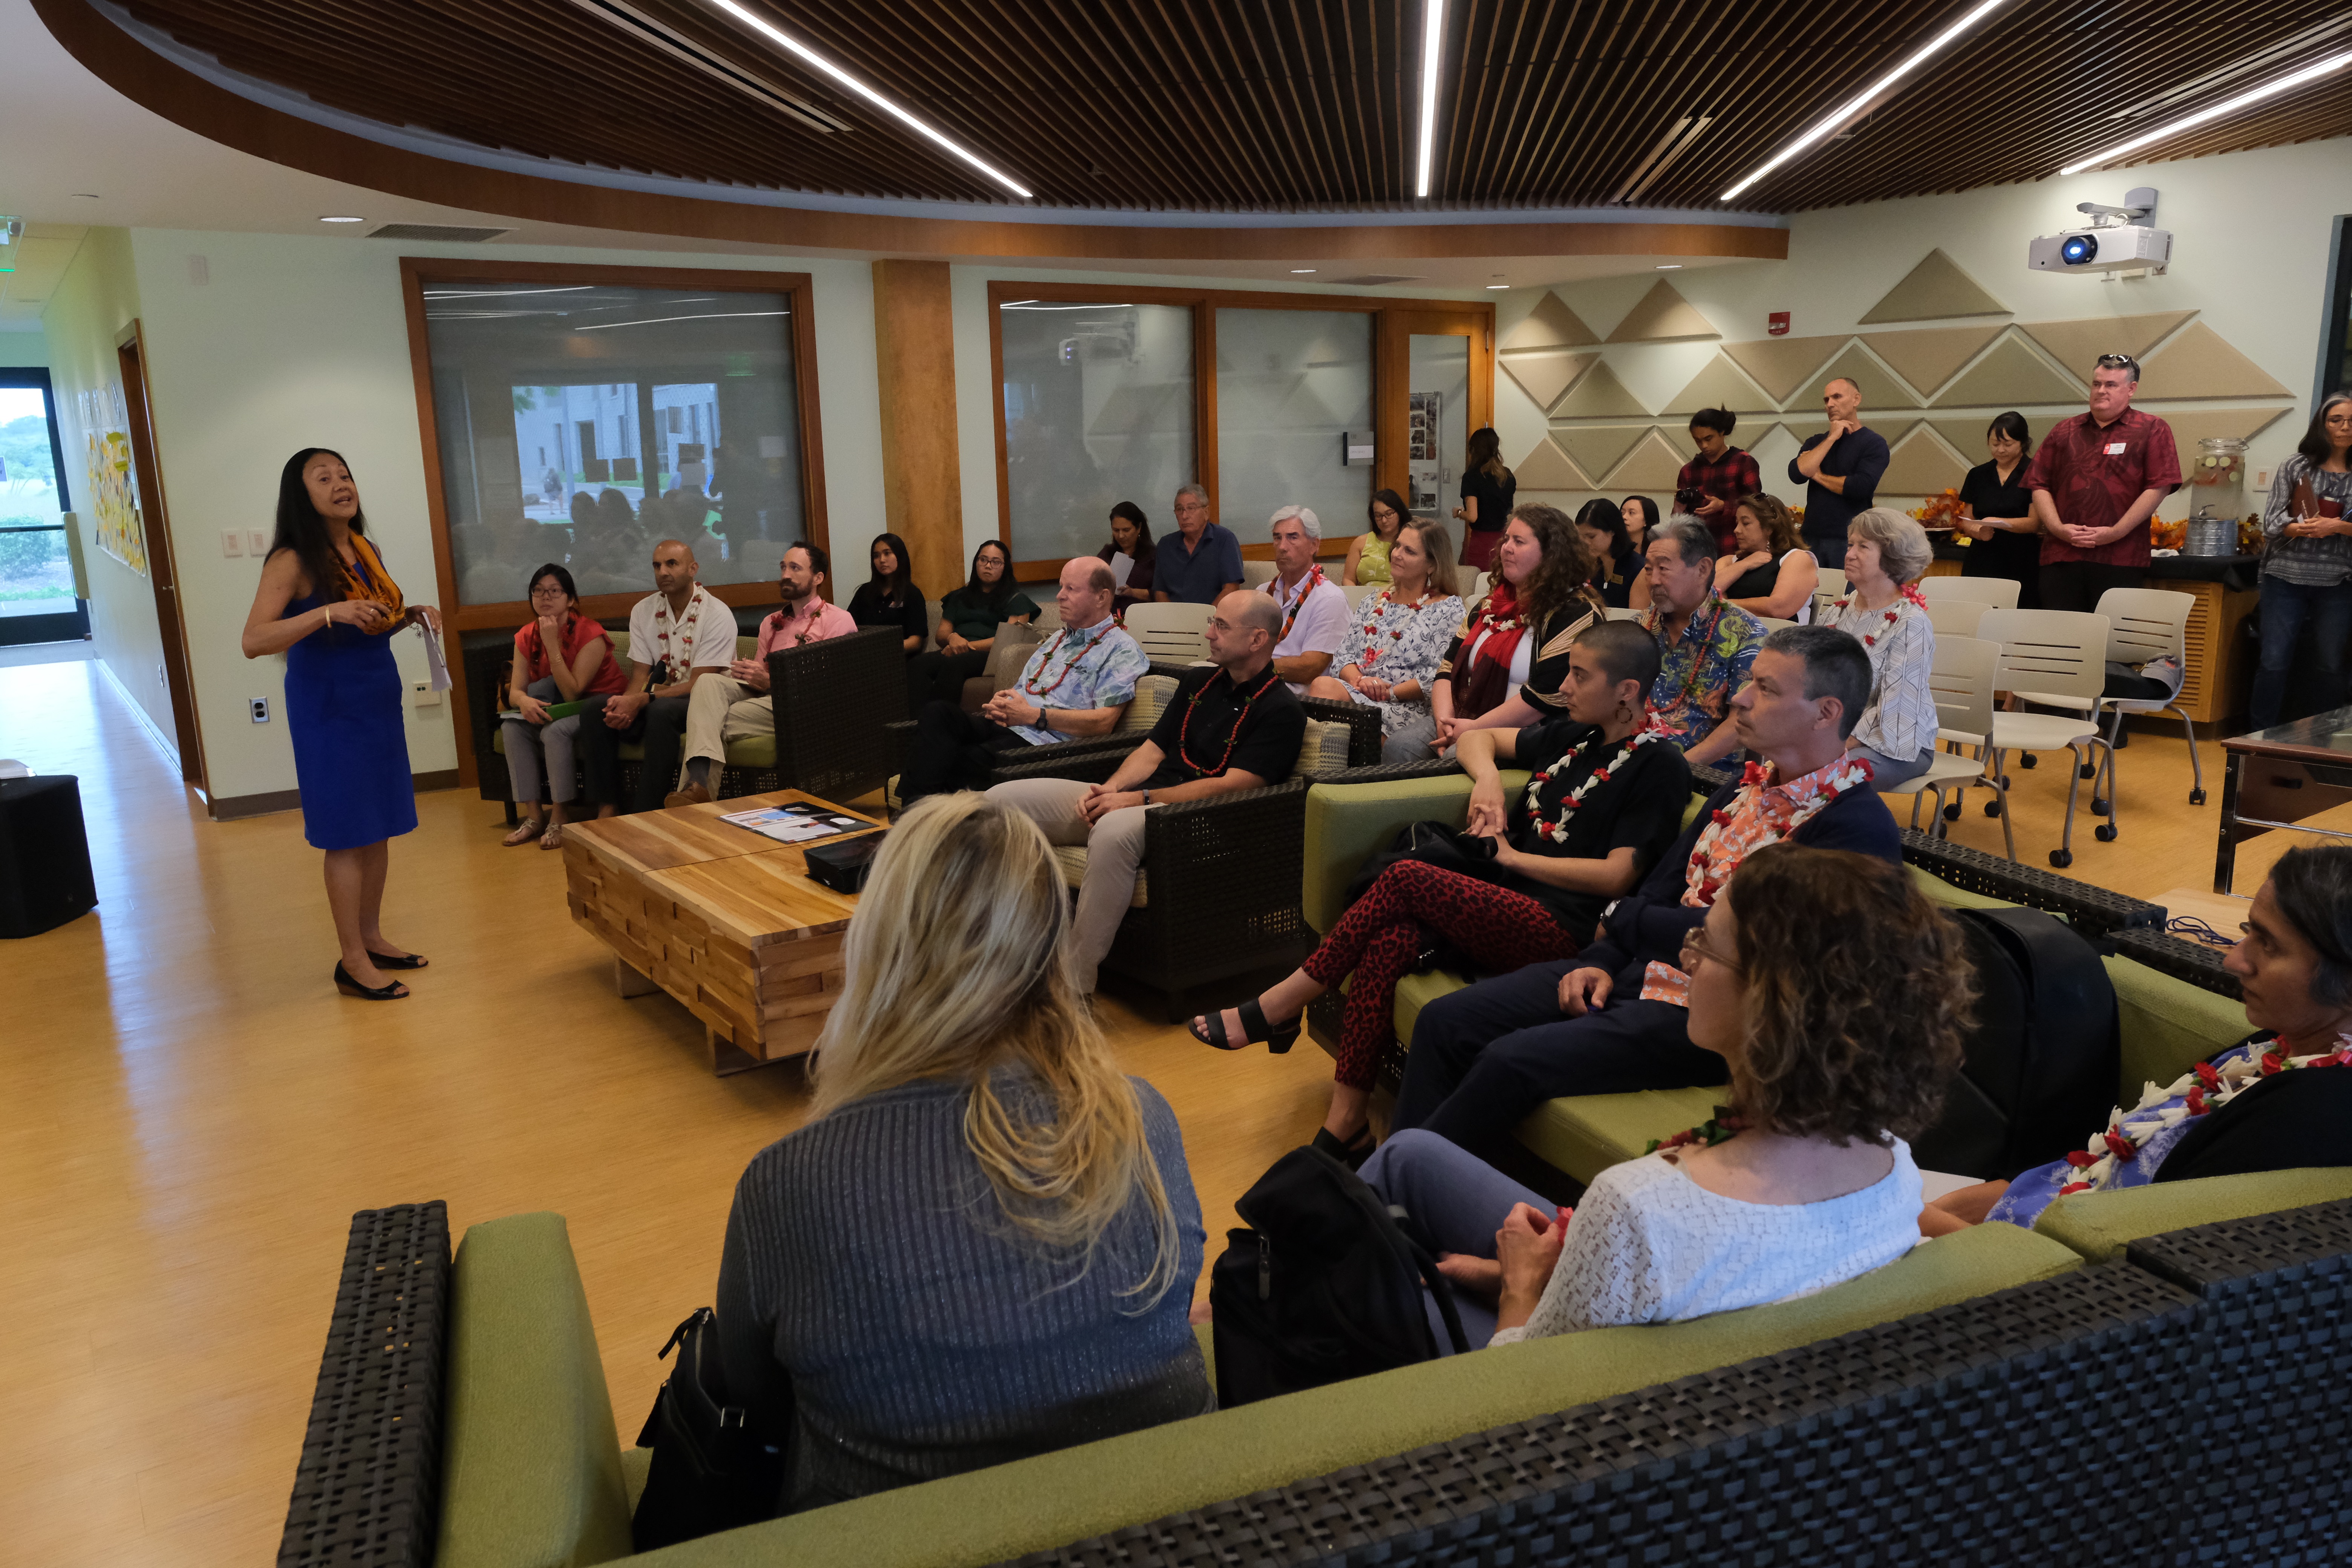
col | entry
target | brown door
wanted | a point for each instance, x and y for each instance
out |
(130, 355)
(1461, 344)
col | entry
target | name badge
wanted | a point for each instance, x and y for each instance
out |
(2115, 448)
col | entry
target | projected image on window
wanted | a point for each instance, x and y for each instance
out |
(1098, 408)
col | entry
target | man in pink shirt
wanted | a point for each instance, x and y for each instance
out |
(730, 706)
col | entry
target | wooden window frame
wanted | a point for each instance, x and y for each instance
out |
(418, 271)
(1393, 322)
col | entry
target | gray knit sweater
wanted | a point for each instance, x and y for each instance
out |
(880, 1314)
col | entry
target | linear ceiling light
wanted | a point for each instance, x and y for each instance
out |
(1433, 33)
(1845, 112)
(2227, 106)
(807, 55)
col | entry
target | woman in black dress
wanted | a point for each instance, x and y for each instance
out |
(1997, 512)
(890, 601)
(1487, 491)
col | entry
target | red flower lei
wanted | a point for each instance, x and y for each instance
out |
(1274, 586)
(1191, 705)
(1371, 627)
(1556, 830)
(2202, 1090)
(685, 632)
(1849, 775)
(1029, 683)
(1910, 591)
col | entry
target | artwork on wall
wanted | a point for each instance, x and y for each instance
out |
(106, 435)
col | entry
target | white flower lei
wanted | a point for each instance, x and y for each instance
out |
(1558, 831)
(2203, 1088)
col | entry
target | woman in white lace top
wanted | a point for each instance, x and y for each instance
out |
(1838, 994)
(1886, 555)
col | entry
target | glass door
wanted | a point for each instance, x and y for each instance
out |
(1435, 384)
(38, 598)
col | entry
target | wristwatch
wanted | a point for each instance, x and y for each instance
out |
(1147, 797)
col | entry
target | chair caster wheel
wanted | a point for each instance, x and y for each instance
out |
(2104, 833)
(2098, 807)
(2196, 797)
(1952, 812)
(2004, 781)
(2087, 771)
(2028, 760)
(2062, 858)
(1992, 808)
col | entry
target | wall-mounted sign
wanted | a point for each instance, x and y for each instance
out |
(1776, 323)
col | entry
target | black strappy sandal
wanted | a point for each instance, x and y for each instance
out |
(351, 987)
(1277, 1040)
(398, 960)
(1351, 1155)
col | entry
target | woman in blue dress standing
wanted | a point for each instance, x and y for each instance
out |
(327, 604)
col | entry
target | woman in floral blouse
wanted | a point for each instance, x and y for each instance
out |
(1886, 555)
(1400, 634)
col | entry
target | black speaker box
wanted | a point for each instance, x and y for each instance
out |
(45, 878)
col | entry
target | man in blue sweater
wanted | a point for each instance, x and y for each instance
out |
(1610, 1020)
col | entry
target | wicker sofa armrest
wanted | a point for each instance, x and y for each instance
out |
(1363, 727)
(482, 664)
(832, 700)
(2182, 959)
(1087, 766)
(2095, 911)
(1224, 870)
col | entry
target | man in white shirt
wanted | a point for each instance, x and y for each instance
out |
(677, 633)
(1315, 611)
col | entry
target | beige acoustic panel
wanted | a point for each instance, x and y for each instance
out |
(2077, 345)
(1651, 467)
(1600, 395)
(2189, 428)
(1927, 357)
(1547, 468)
(1663, 315)
(1550, 325)
(2200, 364)
(1936, 290)
(1968, 436)
(1919, 464)
(1879, 390)
(1780, 364)
(1721, 383)
(1597, 448)
(1544, 376)
(2011, 377)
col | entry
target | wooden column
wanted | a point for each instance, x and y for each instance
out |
(922, 487)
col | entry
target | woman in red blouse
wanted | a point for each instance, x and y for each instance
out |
(584, 673)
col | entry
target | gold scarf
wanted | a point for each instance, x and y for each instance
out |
(377, 584)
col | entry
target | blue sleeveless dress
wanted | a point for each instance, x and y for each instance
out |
(345, 712)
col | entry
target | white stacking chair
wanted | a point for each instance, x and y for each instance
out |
(2057, 658)
(1256, 574)
(2000, 593)
(1358, 592)
(1473, 588)
(1955, 618)
(1613, 613)
(1962, 678)
(2145, 623)
(1170, 634)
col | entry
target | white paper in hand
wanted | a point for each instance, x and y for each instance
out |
(435, 663)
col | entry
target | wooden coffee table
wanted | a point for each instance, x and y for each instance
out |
(722, 918)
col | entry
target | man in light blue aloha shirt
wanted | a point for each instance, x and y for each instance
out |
(1078, 682)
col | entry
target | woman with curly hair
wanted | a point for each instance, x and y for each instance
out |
(1837, 995)
(1770, 572)
(1505, 666)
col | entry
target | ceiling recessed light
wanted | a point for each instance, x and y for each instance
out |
(1498, 285)
(2229, 106)
(342, 220)
(1433, 34)
(1670, 267)
(1296, 270)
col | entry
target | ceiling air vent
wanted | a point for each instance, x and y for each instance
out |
(452, 233)
(1374, 279)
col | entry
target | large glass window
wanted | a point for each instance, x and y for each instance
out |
(1290, 385)
(35, 576)
(1098, 408)
(583, 423)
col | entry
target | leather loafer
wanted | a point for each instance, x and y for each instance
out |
(692, 795)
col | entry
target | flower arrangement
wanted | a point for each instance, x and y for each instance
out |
(1941, 511)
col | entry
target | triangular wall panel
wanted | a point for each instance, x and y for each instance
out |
(1544, 376)
(1780, 364)
(2200, 364)
(1598, 448)
(1721, 383)
(2241, 423)
(1550, 325)
(1920, 465)
(2077, 345)
(1547, 468)
(1879, 390)
(1936, 290)
(1600, 395)
(1968, 436)
(2011, 377)
(1663, 315)
(1927, 357)
(1651, 467)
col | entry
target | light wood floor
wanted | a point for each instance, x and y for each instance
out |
(191, 1114)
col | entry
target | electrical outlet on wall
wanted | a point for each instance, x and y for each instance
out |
(257, 540)
(425, 696)
(261, 710)
(232, 542)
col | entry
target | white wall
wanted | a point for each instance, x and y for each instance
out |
(295, 342)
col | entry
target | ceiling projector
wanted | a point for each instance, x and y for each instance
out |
(2116, 240)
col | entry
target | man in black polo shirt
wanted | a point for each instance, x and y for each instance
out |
(1231, 725)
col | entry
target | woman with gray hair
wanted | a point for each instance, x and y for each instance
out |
(1886, 555)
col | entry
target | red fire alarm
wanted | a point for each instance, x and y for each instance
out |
(1776, 323)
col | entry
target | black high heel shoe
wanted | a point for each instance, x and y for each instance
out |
(1277, 1038)
(390, 992)
(398, 960)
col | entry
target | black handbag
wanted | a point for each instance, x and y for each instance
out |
(1434, 844)
(710, 1472)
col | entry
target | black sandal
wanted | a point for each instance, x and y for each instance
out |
(1351, 1155)
(351, 987)
(398, 960)
(1277, 1040)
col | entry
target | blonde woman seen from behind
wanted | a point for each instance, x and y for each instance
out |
(982, 1243)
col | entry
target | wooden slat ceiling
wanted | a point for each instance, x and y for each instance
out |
(1299, 105)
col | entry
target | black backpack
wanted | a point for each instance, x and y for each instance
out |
(1326, 1284)
(2040, 1073)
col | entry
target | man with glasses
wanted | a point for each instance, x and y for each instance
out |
(2096, 479)
(1612, 1019)
(1203, 562)
(1840, 471)
(737, 704)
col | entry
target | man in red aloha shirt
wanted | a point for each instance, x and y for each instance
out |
(2097, 480)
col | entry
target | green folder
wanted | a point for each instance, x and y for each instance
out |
(554, 710)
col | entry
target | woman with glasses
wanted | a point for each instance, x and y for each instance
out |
(1367, 557)
(1837, 995)
(969, 619)
(581, 675)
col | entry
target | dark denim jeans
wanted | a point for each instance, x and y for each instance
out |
(2286, 607)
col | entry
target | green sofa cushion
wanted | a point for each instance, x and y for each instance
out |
(531, 1471)
(1587, 1133)
(2099, 1225)
(1030, 1505)
(1345, 822)
(2168, 1026)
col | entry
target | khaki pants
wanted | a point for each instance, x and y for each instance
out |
(1114, 850)
(722, 709)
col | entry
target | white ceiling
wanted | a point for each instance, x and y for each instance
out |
(75, 153)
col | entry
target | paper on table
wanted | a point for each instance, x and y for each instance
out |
(436, 661)
(787, 825)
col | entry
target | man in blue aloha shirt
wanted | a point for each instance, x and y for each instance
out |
(1705, 646)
